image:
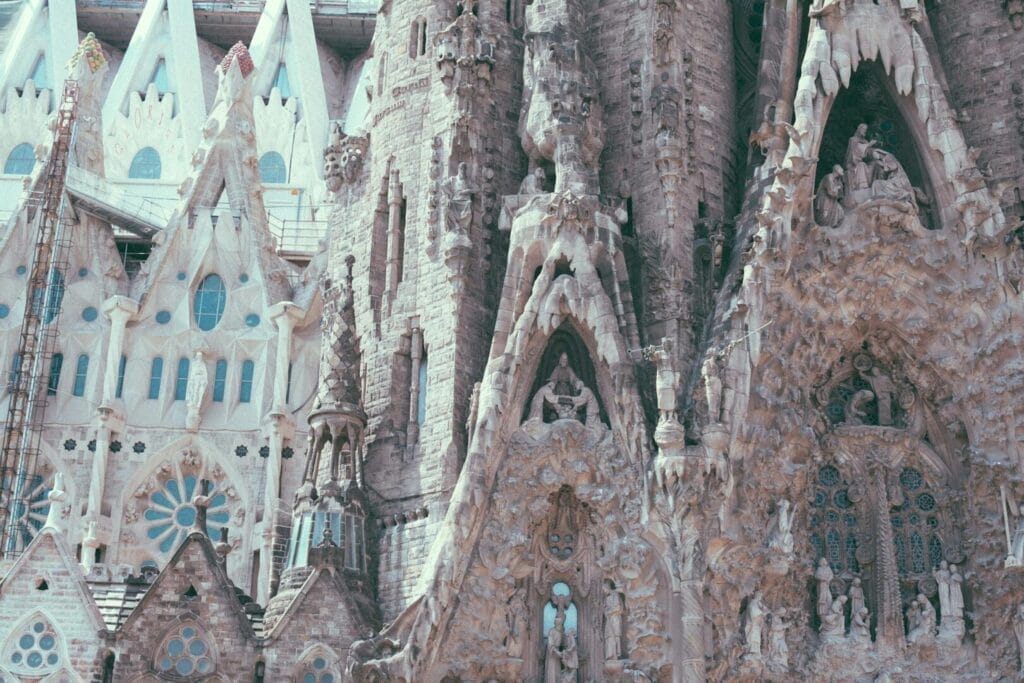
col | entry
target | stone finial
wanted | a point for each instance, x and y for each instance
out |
(55, 517)
(240, 53)
(339, 360)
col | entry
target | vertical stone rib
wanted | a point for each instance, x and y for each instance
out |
(888, 605)
(691, 650)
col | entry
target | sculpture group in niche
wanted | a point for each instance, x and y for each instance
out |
(869, 174)
(561, 656)
(565, 397)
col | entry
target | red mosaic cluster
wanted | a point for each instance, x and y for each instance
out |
(238, 52)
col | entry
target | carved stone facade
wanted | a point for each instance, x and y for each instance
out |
(630, 340)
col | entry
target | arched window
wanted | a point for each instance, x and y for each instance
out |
(34, 649)
(185, 653)
(56, 363)
(156, 371)
(169, 517)
(211, 296)
(418, 38)
(915, 527)
(81, 374)
(559, 627)
(145, 165)
(421, 398)
(245, 386)
(21, 160)
(120, 377)
(835, 525)
(272, 168)
(181, 380)
(220, 374)
(355, 540)
(281, 81)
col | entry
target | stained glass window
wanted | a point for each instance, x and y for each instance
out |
(145, 165)
(81, 374)
(916, 526)
(319, 669)
(160, 77)
(835, 524)
(56, 363)
(281, 81)
(273, 169)
(211, 296)
(245, 387)
(21, 160)
(185, 653)
(171, 514)
(34, 649)
(220, 374)
(120, 377)
(29, 511)
(181, 381)
(156, 371)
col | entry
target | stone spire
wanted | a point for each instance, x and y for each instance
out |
(339, 357)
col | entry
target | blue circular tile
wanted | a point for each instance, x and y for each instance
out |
(252, 320)
(243, 278)
(181, 275)
(5, 310)
(89, 314)
(82, 272)
(163, 317)
(21, 270)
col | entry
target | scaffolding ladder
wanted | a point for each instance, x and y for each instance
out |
(30, 370)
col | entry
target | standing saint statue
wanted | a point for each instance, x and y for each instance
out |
(828, 202)
(824, 575)
(755, 624)
(858, 172)
(570, 659)
(778, 649)
(613, 610)
(856, 596)
(516, 621)
(711, 372)
(459, 191)
(195, 392)
(553, 655)
(667, 378)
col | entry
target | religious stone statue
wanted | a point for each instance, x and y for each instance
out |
(778, 649)
(458, 192)
(856, 596)
(533, 183)
(828, 202)
(953, 627)
(824, 575)
(570, 659)
(941, 575)
(884, 389)
(195, 392)
(924, 629)
(855, 411)
(754, 625)
(889, 180)
(517, 624)
(711, 372)
(667, 379)
(553, 657)
(565, 394)
(858, 172)
(833, 622)
(1018, 630)
(57, 513)
(613, 612)
(1015, 558)
(782, 537)
(860, 626)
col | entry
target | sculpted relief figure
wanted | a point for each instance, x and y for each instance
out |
(198, 380)
(755, 625)
(711, 371)
(553, 654)
(870, 173)
(667, 379)
(458, 192)
(565, 394)
(613, 611)
(828, 202)
(778, 649)
(824, 575)
(833, 623)
(860, 626)
(858, 170)
(533, 183)
(782, 537)
(517, 623)
(856, 596)
(921, 615)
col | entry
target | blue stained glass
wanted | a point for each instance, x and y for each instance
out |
(252, 320)
(901, 554)
(190, 487)
(156, 371)
(160, 78)
(168, 543)
(163, 317)
(5, 310)
(926, 502)
(120, 377)
(175, 647)
(911, 479)
(40, 74)
(934, 551)
(35, 660)
(851, 554)
(185, 516)
(181, 383)
(834, 548)
(272, 169)
(245, 388)
(158, 531)
(220, 374)
(219, 517)
(145, 165)
(82, 272)
(842, 500)
(89, 314)
(211, 296)
(820, 499)
(26, 642)
(281, 81)
(81, 373)
(160, 498)
(309, 678)
(243, 278)
(21, 160)
(218, 500)
(828, 475)
(181, 275)
(56, 363)
(917, 553)
(172, 488)
(152, 514)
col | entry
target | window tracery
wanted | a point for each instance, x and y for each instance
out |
(916, 526)
(185, 654)
(318, 667)
(211, 297)
(30, 511)
(836, 527)
(35, 649)
(170, 514)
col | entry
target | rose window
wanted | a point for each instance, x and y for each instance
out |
(185, 654)
(30, 511)
(34, 651)
(171, 514)
(317, 671)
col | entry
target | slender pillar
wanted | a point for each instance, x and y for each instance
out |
(788, 65)
(412, 431)
(119, 310)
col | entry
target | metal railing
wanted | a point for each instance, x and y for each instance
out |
(297, 236)
(94, 189)
(321, 7)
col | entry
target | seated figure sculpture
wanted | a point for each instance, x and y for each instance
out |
(871, 174)
(565, 394)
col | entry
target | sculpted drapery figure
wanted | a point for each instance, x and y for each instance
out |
(755, 624)
(458, 192)
(553, 656)
(782, 537)
(613, 610)
(711, 371)
(824, 575)
(924, 616)
(533, 183)
(860, 625)
(858, 170)
(1015, 558)
(828, 202)
(516, 621)
(889, 180)
(565, 393)
(667, 378)
(833, 622)
(778, 649)
(570, 659)
(856, 595)
(198, 380)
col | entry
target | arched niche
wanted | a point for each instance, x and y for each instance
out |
(892, 121)
(564, 341)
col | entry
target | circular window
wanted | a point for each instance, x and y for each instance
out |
(243, 278)
(252, 320)
(5, 310)
(185, 653)
(163, 317)
(170, 514)
(210, 299)
(35, 650)
(89, 314)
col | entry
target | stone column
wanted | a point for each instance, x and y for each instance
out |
(691, 650)
(395, 229)
(412, 431)
(284, 315)
(119, 310)
(788, 66)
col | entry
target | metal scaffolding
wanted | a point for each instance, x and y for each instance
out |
(30, 369)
